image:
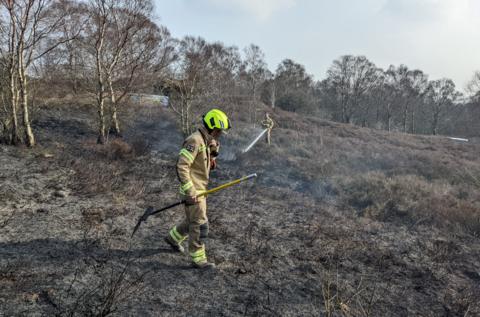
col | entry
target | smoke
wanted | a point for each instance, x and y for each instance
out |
(228, 156)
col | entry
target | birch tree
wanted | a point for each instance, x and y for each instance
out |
(32, 25)
(120, 38)
(10, 95)
(187, 81)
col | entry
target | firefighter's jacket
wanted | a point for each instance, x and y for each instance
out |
(193, 165)
(268, 123)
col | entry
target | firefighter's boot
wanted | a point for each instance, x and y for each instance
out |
(205, 265)
(175, 239)
(199, 259)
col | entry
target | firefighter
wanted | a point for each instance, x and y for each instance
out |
(268, 124)
(196, 158)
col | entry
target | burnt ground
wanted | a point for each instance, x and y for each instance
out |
(342, 221)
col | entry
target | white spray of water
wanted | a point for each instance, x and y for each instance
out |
(458, 139)
(229, 153)
(254, 141)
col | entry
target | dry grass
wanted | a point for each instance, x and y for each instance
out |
(96, 178)
(384, 176)
(104, 169)
(411, 199)
(341, 297)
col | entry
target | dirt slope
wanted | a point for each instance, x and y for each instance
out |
(342, 221)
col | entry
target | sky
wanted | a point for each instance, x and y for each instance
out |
(439, 37)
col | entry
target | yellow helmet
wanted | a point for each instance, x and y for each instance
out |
(216, 119)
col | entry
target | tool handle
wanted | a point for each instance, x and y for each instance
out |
(165, 208)
(149, 213)
(211, 191)
(216, 189)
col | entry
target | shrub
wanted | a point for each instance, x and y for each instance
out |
(118, 149)
(409, 199)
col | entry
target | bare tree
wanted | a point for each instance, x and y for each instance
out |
(254, 72)
(473, 87)
(293, 86)
(144, 62)
(417, 87)
(100, 11)
(225, 63)
(400, 81)
(440, 95)
(4, 110)
(185, 83)
(389, 93)
(409, 86)
(10, 99)
(120, 39)
(202, 76)
(270, 89)
(132, 41)
(255, 68)
(378, 103)
(71, 55)
(32, 25)
(352, 77)
(221, 78)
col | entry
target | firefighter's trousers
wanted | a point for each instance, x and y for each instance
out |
(195, 226)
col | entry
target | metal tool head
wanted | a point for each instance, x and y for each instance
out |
(143, 218)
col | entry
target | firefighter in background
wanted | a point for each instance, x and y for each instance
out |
(196, 158)
(268, 124)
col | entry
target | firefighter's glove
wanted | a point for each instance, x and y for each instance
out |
(214, 147)
(213, 164)
(191, 200)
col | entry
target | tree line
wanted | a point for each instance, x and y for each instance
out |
(104, 50)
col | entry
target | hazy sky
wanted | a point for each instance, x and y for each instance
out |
(440, 37)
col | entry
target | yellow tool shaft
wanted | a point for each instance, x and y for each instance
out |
(216, 189)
